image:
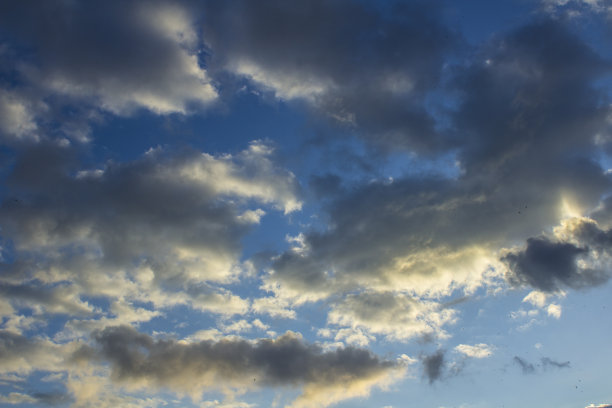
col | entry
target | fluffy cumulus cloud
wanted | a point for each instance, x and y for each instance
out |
(165, 228)
(137, 360)
(120, 57)
(22, 355)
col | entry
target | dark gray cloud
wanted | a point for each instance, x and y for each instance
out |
(526, 126)
(433, 366)
(365, 65)
(126, 196)
(545, 363)
(526, 367)
(548, 362)
(52, 398)
(12, 345)
(116, 56)
(285, 361)
(529, 99)
(551, 265)
(593, 235)
(547, 265)
(59, 299)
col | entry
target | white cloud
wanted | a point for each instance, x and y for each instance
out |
(23, 355)
(536, 298)
(17, 120)
(249, 174)
(14, 398)
(285, 85)
(554, 310)
(273, 306)
(476, 351)
(392, 315)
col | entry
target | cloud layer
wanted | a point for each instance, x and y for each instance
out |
(325, 376)
(414, 184)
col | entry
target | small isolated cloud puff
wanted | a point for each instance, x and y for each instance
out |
(476, 351)
(16, 118)
(577, 256)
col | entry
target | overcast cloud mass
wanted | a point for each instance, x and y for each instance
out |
(240, 204)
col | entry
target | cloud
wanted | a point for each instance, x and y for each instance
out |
(138, 360)
(395, 316)
(361, 66)
(16, 118)
(577, 256)
(52, 398)
(22, 355)
(476, 351)
(164, 229)
(523, 159)
(547, 362)
(389, 237)
(217, 404)
(554, 310)
(526, 367)
(545, 265)
(118, 58)
(433, 366)
(14, 398)
(524, 122)
(575, 8)
(62, 299)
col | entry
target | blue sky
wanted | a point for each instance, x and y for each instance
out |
(299, 204)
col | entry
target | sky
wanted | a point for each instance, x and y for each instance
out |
(306, 203)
